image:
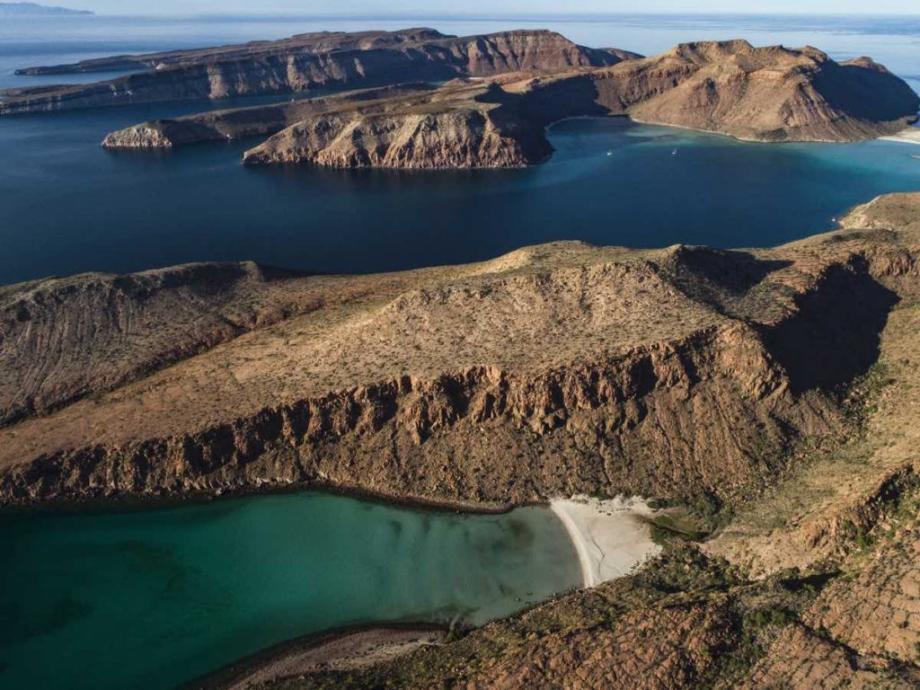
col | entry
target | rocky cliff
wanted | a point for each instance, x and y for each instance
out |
(761, 94)
(553, 370)
(813, 582)
(316, 61)
(730, 87)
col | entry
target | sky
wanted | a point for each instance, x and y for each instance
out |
(487, 7)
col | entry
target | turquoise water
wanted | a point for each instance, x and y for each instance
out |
(151, 599)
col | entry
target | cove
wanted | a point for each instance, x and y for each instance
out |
(154, 598)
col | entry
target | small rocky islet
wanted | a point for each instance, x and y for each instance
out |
(766, 399)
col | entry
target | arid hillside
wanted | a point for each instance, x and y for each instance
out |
(811, 583)
(771, 94)
(309, 62)
(555, 369)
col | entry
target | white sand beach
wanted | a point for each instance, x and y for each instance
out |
(911, 135)
(609, 535)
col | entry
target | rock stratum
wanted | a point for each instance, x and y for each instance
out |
(769, 396)
(304, 63)
(582, 370)
(768, 94)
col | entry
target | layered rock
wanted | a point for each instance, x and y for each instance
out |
(760, 94)
(553, 370)
(468, 127)
(840, 612)
(307, 63)
(730, 87)
(224, 125)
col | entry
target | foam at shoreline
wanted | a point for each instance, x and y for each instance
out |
(609, 535)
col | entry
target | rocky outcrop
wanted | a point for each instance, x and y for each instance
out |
(730, 87)
(553, 370)
(760, 94)
(457, 138)
(225, 125)
(311, 62)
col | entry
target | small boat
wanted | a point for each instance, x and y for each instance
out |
(674, 152)
(610, 153)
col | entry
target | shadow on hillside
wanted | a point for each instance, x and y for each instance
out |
(835, 336)
(866, 93)
(733, 271)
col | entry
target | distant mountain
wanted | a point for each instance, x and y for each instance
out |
(30, 9)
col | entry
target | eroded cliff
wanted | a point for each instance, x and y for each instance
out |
(307, 63)
(552, 370)
(760, 94)
(812, 583)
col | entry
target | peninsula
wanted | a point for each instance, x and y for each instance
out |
(769, 94)
(769, 396)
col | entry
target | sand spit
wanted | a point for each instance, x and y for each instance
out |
(341, 651)
(610, 536)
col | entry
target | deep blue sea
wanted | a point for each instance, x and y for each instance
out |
(67, 206)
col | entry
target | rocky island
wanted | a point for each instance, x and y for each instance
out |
(757, 94)
(768, 396)
(305, 63)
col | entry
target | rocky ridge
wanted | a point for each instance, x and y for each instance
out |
(773, 392)
(841, 614)
(668, 373)
(307, 63)
(759, 94)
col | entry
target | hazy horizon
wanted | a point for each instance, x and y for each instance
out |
(517, 9)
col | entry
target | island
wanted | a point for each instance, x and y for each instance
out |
(304, 63)
(771, 94)
(31, 9)
(763, 399)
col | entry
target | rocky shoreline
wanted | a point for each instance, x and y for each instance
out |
(771, 94)
(768, 395)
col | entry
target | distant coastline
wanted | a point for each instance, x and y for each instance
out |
(31, 9)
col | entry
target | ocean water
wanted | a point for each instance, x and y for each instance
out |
(147, 600)
(67, 206)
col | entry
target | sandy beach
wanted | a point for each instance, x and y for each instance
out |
(911, 135)
(610, 536)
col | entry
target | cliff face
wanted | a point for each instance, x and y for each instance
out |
(297, 66)
(761, 94)
(553, 370)
(730, 87)
(821, 584)
(458, 138)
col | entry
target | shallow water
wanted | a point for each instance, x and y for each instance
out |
(150, 599)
